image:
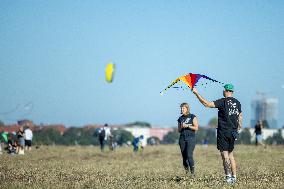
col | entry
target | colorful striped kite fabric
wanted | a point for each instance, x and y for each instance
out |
(190, 80)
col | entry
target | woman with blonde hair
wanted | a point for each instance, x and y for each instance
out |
(187, 126)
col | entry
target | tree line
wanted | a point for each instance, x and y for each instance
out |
(209, 134)
(77, 136)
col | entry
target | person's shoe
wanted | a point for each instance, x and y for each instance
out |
(234, 179)
(229, 179)
(192, 170)
(186, 170)
(191, 175)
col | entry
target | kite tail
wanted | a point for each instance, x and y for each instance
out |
(172, 84)
(206, 77)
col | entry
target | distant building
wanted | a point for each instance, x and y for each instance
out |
(10, 128)
(160, 132)
(265, 109)
(148, 132)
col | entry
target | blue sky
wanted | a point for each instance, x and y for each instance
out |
(53, 55)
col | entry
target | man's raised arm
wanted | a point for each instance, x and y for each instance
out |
(203, 100)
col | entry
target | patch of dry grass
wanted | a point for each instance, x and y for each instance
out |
(157, 167)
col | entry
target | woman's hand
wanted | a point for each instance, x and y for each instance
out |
(184, 125)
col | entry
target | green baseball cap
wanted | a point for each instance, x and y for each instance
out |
(229, 87)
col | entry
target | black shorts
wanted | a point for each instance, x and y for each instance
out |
(28, 143)
(225, 141)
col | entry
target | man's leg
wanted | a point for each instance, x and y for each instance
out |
(102, 144)
(233, 166)
(260, 139)
(226, 163)
(26, 145)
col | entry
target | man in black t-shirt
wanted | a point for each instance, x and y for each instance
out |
(258, 133)
(229, 123)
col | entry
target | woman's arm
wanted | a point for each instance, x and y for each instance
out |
(179, 127)
(194, 126)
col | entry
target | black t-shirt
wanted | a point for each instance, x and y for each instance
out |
(186, 119)
(228, 113)
(20, 134)
(257, 129)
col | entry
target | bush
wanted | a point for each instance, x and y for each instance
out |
(276, 138)
(205, 133)
(47, 136)
(171, 138)
(244, 137)
(153, 140)
(122, 136)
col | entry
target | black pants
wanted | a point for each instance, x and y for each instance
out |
(187, 145)
(102, 143)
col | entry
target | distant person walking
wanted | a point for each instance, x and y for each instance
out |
(187, 126)
(138, 144)
(229, 123)
(28, 138)
(258, 133)
(111, 143)
(21, 141)
(104, 133)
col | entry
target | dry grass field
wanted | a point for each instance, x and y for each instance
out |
(157, 167)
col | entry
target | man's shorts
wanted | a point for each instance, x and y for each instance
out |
(28, 143)
(258, 138)
(225, 141)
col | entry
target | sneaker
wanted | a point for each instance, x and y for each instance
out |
(234, 179)
(186, 170)
(229, 179)
(192, 170)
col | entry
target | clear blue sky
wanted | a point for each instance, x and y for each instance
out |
(53, 56)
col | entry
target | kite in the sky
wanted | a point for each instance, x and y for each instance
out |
(110, 68)
(190, 80)
(20, 111)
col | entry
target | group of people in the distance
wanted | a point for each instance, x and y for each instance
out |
(229, 123)
(16, 142)
(106, 137)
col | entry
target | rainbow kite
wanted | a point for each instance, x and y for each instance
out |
(190, 80)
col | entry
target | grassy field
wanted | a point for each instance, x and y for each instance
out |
(157, 167)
